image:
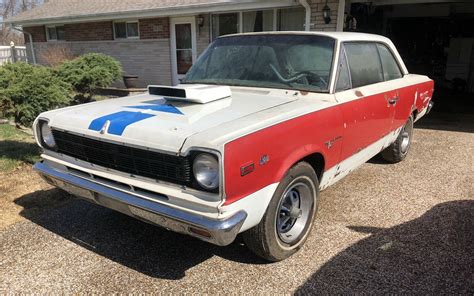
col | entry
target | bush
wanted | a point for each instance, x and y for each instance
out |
(89, 72)
(27, 90)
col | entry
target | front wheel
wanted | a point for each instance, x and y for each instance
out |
(398, 150)
(289, 216)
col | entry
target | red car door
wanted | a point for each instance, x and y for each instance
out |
(367, 114)
(400, 97)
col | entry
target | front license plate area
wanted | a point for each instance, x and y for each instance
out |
(74, 190)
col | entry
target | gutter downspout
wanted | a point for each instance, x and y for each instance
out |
(30, 38)
(307, 25)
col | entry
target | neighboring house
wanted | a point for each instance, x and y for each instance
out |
(159, 40)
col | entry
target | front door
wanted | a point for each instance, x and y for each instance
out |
(365, 108)
(183, 46)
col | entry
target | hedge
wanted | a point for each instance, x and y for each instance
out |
(27, 90)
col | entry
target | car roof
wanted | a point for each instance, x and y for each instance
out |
(341, 36)
(338, 36)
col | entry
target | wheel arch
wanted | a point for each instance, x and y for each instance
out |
(317, 162)
(312, 155)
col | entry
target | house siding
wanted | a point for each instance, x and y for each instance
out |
(317, 21)
(149, 59)
(156, 28)
(89, 31)
(38, 34)
(203, 37)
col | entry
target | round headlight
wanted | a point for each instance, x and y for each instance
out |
(47, 136)
(206, 171)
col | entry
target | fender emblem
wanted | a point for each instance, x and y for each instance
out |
(331, 142)
(264, 159)
(105, 127)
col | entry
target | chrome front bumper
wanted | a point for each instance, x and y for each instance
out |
(218, 232)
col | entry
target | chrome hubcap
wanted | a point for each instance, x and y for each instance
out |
(293, 212)
(405, 140)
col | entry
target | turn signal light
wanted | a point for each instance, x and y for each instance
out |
(247, 169)
(200, 232)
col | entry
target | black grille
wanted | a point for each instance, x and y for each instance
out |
(140, 162)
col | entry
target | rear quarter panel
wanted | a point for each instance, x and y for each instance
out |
(414, 97)
(425, 94)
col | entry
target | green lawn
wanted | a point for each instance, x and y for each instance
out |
(16, 148)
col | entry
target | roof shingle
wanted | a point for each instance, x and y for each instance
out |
(76, 9)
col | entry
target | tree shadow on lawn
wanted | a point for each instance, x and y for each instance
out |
(433, 254)
(12, 153)
(145, 248)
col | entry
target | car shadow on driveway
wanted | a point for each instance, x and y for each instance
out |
(145, 248)
(433, 254)
(455, 122)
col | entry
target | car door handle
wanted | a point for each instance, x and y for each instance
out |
(393, 100)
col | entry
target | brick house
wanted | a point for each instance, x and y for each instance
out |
(158, 40)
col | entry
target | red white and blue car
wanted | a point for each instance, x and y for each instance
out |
(258, 127)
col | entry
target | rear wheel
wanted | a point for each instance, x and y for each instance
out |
(398, 150)
(289, 217)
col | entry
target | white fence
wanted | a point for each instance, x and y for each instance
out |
(12, 54)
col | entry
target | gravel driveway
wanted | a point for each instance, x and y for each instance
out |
(404, 228)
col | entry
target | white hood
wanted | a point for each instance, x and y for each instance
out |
(154, 122)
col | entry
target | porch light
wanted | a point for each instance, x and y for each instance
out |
(326, 13)
(201, 21)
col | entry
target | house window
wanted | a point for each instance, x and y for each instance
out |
(225, 24)
(184, 47)
(55, 33)
(123, 30)
(291, 19)
(257, 21)
(285, 19)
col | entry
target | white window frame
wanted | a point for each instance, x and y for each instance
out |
(240, 18)
(48, 38)
(126, 29)
(174, 59)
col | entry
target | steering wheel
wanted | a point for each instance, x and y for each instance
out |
(297, 76)
(291, 79)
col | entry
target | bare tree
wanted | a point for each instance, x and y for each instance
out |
(9, 8)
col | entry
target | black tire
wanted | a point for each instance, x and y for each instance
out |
(398, 150)
(267, 239)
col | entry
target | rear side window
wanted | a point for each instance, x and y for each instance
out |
(364, 63)
(389, 64)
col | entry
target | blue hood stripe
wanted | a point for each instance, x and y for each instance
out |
(158, 107)
(118, 121)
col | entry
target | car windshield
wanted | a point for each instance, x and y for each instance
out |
(299, 62)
